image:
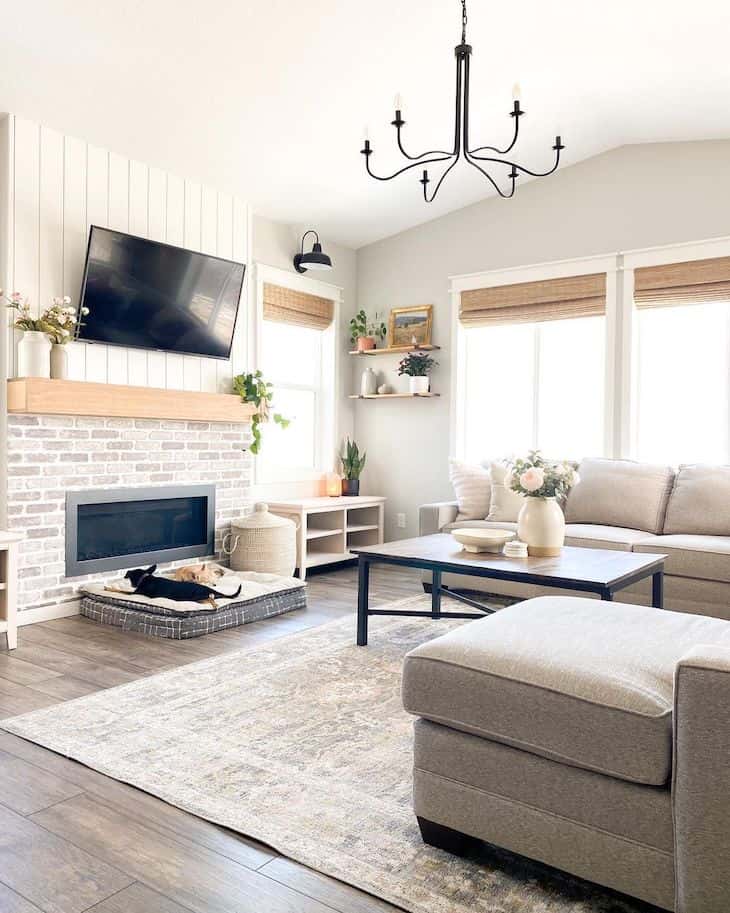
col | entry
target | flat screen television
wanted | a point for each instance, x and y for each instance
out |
(148, 295)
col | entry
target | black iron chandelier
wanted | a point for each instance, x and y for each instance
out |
(461, 137)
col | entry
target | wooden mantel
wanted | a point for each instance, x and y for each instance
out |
(37, 396)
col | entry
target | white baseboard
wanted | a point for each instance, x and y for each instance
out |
(44, 613)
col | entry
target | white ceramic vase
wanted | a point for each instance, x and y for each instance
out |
(34, 354)
(59, 362)
(368, 382)
(418, 384)
(541, 525)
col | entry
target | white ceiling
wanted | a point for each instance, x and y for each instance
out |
(269, 100)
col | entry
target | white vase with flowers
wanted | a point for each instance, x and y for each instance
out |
(545, 485)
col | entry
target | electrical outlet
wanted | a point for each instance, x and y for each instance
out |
(400, 521)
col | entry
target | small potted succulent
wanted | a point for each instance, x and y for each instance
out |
(417, 366)
(364, 333)
(353, 463)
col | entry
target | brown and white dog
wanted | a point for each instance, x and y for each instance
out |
(208, 574)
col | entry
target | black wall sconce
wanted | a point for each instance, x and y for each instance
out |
(315, 259)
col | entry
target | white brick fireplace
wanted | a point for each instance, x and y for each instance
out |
(49, 455)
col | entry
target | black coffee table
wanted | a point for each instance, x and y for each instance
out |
(586, 570)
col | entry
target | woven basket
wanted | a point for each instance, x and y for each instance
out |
(262, 542)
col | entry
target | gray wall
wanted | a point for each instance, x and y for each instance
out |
(631, 197)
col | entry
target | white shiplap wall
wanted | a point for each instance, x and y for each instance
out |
(57, 186)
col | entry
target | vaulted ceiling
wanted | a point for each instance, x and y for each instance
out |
(269, 100)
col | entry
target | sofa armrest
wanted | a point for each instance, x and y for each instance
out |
(701, 780)
(433, 517)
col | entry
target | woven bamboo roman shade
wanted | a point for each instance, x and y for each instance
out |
(529, 302)
(285, 305)
(682, 283)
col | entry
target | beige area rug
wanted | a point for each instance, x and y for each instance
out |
(302, 743)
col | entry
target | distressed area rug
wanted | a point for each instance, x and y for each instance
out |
(302, 743)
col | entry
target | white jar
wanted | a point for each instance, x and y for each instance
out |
(418, 384)
(34, 354)
(59, 362)
(541, 525)
(368, 382)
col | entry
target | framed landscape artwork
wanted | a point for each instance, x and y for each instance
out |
(411, 326)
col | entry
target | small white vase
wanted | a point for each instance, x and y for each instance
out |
(418, 384)
(34, 355)
(368, 382)
(541, 525)
(59, 362)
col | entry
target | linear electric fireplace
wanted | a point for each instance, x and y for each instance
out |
(126, 527)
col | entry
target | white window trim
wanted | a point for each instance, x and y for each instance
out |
(331, 364)
(632, 260)
(555, 270)
(620, 430)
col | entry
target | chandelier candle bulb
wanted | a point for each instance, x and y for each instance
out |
(516, 92)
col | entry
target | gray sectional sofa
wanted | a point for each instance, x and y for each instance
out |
(620, 504)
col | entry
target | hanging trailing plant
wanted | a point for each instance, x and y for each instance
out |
(252, 388)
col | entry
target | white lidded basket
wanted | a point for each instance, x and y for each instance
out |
(262, 542)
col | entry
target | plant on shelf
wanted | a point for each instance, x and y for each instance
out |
(417, 366)
(353, 463)
(544, 484)
(364, 333)
(252, 388)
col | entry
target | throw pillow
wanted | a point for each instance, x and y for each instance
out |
(620, 493)
(506, 504)
(471, 488)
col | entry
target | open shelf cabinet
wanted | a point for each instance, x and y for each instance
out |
(328, 527)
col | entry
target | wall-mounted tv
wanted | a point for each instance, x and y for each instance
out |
(148, 295)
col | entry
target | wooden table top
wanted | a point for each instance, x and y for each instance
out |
(589, 565)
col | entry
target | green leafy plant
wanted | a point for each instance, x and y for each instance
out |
(252, 388)
(352, 461)
(416, 364)
(361, 326)
(537, 477)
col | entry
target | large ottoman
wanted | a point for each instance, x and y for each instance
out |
(592, 736)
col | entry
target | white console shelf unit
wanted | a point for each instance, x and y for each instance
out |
(328, 527)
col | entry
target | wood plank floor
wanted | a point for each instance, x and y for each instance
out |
(72, 840)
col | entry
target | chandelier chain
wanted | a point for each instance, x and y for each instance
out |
(463, 21)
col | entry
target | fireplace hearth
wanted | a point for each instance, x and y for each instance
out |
(116, 528)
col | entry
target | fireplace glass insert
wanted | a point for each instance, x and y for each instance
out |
(128, 527)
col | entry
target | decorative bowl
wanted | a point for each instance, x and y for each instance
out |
(482, 540)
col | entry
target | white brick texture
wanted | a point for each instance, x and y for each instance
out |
(50, 455)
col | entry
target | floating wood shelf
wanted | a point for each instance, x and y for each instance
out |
(396, 350)
(35, 395)
(393, 395)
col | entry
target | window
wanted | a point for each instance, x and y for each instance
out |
(682, 406)
(534, 385)
(296, 354)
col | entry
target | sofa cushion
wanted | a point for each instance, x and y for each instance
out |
(582, 682)
(591, 535)
(472, 489)
(700, 501)
(620, 493)
(505, 503)
(702, 557)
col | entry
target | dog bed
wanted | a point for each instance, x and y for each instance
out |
(262, 596)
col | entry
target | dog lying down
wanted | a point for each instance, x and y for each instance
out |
(146, 584)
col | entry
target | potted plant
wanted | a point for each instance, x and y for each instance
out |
(352, 466)
(417, 366)
(365, 333)
(541, 524)
(252, 388)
